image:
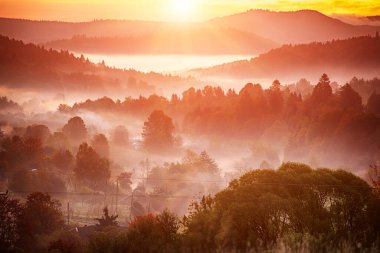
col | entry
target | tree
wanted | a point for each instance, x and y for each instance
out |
(322, 92)
(41, 180)
(150, 233)
(100, 144)
(63, 160)
(40, 132)
(41, 215)
(207, 164)
(350, 99)
(67, 242)
(91, 168)
(373, 104)
(58, 140)
(262, 206)
(10, 210)
(275, 99)
(106, 220)
(125, 180)
(374, 176)
(20, 154)
(75, 130)
(158, 132)
(304, 88)
(120, 136)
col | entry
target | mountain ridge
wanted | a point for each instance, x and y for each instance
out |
(341, 58)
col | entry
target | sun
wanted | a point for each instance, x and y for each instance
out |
(182, 9)
(182, 6)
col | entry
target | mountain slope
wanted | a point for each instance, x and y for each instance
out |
(293, 27)
(186, 39)
(31, 67)
(44, 31)
(339, 58)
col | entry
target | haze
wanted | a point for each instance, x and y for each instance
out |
(189, 126)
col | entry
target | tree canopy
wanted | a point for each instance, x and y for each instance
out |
(262, 206)
(158, 132)
(91, 168)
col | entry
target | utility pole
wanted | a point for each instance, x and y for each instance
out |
(68, 213)
(117, 191)
(130, 210)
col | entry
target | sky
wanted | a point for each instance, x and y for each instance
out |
(170, 10)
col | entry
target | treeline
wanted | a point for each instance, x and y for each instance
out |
(34, 159)
(354, 56)
(293, 208)
(72, 160)
(7, 105)
(61, 71)
(310, 123)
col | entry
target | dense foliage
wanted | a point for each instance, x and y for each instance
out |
(294, 206)
(264, 206)
(304, 122)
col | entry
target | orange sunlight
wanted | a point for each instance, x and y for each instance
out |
(169, 10)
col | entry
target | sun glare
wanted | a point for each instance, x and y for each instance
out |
(182, 9)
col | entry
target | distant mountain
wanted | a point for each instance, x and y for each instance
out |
(374, 18)
(123, 36)
(339, 58)
(185, 39)
(302, 26)
(33, 68)
(44, 31)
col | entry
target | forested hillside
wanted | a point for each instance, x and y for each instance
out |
(340, 58)
(31, 67)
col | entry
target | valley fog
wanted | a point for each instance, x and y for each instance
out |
(193, 158)
(174, 64)
(257, 131)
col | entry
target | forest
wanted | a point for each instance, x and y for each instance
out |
(292, 208)
(62, 72)
(307, 123)
(188, 126)
(253, 208)
(353, 56)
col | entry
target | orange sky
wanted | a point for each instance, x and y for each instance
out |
(169, 10)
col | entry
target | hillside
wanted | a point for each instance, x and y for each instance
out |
(31, 67)
(340, 58)
(123, 36)
(293, 27)
(251, 32)
(44, 31)
(186, 39)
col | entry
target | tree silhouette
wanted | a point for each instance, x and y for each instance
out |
(91, 168)
(322, 91)
(120, 136)
(158, 132)
(106, 220)
(40, 132)
(75, 130)
(275, 99)
(207, 164)
(41, 215)
(125, 180)
(63, 160)
(100, 145)
(373, 104)
(350, 99)
(10, 210)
